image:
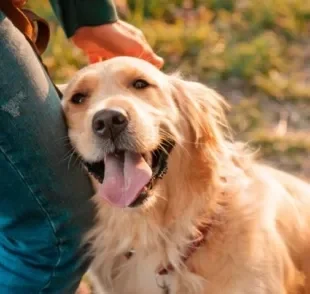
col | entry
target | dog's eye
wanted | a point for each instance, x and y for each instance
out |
(140, 84)
(78, 98)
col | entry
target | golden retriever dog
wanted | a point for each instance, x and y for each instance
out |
(182, 208)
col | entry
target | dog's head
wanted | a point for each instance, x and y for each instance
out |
(124, 116)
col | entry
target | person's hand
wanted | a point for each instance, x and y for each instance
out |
(110, 40)
(115, 39)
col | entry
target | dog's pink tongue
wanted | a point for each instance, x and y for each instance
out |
(124, 180)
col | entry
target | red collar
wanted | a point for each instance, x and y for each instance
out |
(196, 244)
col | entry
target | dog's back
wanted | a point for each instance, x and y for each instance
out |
(292, 221)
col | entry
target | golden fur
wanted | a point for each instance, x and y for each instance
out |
(260, 234)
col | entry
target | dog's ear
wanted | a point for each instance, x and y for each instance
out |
(203, 109)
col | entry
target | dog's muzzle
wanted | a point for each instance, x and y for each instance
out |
(159, 167)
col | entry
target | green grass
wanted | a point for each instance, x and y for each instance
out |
(254, 52)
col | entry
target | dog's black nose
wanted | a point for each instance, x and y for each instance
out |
(109, 123)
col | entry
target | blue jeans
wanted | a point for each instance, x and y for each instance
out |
(44, 194)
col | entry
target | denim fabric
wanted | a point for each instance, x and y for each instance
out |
(44, 194)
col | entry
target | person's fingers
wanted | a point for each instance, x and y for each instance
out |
(142, 52)
(158, 61)
(93, 58)
(146, 52)
(19, 3)
(135, 47)
(153, 58)
(135, 31)
(118, 40)
(127, 25)
(99, 55)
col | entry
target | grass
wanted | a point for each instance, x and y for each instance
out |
(256, 53)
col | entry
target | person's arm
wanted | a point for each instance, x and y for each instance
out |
(74, 14)
(94, 27)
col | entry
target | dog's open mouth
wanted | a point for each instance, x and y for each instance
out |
(127, 177)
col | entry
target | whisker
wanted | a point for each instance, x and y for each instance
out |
(161, 197)
(64, 138)
(70, 160)
(166, 136)
(68, 153)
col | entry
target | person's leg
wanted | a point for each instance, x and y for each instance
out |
(45, 195)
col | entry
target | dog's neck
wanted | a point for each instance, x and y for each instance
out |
(189, 197)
